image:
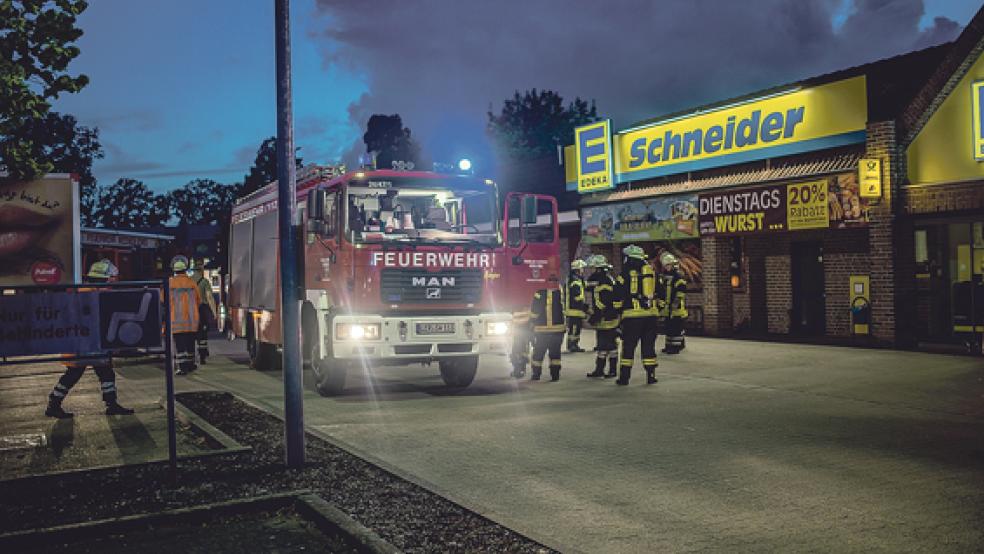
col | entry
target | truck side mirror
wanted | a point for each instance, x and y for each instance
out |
(529, 210)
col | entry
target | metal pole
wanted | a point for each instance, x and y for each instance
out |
(172, 441)
(287, 203)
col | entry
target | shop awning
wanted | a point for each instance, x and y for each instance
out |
(778, 172)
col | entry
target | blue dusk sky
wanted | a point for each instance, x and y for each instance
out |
(185, 88)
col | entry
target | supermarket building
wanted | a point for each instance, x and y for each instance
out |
(846, 207)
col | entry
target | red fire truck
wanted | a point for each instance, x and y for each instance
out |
(398, 267)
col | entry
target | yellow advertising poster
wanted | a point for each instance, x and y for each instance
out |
(795, 121)
(806, 206)
(593, 156)
(38, 231)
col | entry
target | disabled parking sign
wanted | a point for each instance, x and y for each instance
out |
(129, 319)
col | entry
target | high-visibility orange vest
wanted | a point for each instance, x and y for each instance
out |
(185, 299)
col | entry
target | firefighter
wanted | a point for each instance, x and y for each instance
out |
(604, 317)
(673, 309)
(102, 271)
(522, 337)
(547, 317)
(185, 300)
(207, 311)
(634, 294)
(575, 306)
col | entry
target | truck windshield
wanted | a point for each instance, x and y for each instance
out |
(422, 214)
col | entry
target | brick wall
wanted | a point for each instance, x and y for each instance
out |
(881, 144)
(718, 315)
(779, 293)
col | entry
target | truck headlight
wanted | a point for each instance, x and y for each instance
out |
(357, 331)
(497, 328)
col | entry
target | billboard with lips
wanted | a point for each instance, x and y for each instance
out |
(39, 231)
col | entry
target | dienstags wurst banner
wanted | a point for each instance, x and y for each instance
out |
(832, 202)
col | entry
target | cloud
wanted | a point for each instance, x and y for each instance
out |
(440, 64)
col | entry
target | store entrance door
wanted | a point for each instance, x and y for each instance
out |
(809, 302)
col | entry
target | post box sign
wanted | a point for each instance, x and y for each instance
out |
(593, 156)
(69, 322)
(869, 174)
(829, 203)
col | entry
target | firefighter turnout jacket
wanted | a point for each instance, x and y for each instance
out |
(672, 294)
(575, 304)
(185, 300)
(635, 290)
(605, 314)
(547, 312)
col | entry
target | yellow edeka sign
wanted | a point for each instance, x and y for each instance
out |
(593, 156)
(825, 116)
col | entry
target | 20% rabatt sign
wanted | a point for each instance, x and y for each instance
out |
(806, 206)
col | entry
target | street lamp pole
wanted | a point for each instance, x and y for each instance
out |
(287, 213)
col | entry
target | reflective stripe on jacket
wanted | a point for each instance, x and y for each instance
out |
(575, 304)
(673, 293)
(185, 299)
(547, 312)
(605, 312)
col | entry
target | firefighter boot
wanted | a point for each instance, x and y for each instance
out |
(554, 373)
(612, 368)
(599, 370)
(651, 376)
(55, 410)
(113, 408)
(623, 378)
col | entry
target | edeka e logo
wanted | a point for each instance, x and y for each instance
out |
(829, 115)
(593, 155)
(978, 114)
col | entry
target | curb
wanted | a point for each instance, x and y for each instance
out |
(327, 518)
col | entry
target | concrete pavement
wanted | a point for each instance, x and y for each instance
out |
(32, 444)
(742, 446)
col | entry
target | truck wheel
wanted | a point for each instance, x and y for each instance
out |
(263, 356)
(329, 376)
(459, 372)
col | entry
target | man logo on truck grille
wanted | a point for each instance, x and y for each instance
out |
(433, 293)
(433, 282)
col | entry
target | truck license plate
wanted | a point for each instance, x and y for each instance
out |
(435, 328)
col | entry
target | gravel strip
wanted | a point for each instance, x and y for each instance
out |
(405, 514)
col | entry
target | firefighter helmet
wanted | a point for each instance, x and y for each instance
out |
(578, 264)
(667, 259)
(598, 261)
(633, 251)
(103, 269)
(179, 263)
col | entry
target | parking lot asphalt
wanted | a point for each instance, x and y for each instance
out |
(741, 446)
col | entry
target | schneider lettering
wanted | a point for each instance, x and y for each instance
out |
(735, 134)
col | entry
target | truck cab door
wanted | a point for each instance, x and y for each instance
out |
(531, 246)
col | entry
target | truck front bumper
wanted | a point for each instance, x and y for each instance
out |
(417, 338)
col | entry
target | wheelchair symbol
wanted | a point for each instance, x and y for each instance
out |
(127, 324)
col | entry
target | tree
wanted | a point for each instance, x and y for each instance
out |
(390, 141)
(264, 169)
(128, 204)
(36, 47)
(203, 201)
(70, 148)
(533, 124)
